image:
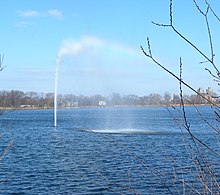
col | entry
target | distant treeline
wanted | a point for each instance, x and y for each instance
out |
(20, 99)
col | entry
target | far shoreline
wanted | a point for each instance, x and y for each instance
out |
(116, 106)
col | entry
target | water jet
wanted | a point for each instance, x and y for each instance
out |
(55, 91)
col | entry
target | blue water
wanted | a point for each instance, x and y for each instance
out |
(99, 151)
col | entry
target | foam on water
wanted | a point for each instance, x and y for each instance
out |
(124, 131)
(120, 131)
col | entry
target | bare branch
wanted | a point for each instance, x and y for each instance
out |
(205, 174)
(208, 27)
(213, 12)
(210, 39)
(159, 24)
(7, 149)
(181, 97)
(188, 41)
(175, 76)
(212, 74)
(197, 6)
(171, 12)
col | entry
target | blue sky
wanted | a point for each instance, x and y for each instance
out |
(97, 44)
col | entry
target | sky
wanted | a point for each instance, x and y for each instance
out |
(96, 46)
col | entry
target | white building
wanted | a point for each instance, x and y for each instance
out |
(102, 103)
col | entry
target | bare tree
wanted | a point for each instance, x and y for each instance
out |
(203, 156)
(5, 149)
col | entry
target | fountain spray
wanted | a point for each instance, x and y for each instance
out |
(55, 90)
(68, 48)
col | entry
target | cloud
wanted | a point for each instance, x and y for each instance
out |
(24, 24)
(55, 13)
(28, 13)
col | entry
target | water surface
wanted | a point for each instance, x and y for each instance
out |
(97, 151)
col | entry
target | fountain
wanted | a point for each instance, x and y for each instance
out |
(55, 90)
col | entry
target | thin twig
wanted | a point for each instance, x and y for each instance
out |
(208, 27)
(213, 12)
(212, 74)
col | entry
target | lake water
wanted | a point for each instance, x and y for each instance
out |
(99, 151)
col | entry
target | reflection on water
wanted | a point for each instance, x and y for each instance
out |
(86, 155)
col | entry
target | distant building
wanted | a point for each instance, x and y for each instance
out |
(68, 104)
(208, 94)
(209, 91)
(102, 104)
(176, 98)
(200, 91)
(27, 106)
